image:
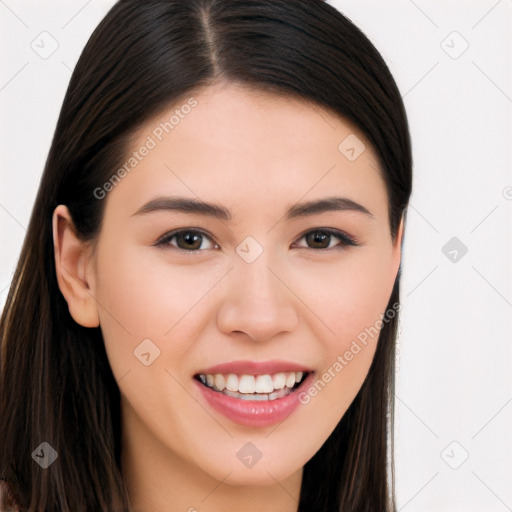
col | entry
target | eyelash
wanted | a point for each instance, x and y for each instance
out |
(345, 239)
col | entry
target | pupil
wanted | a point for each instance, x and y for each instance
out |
(190, 238)
(317, 237)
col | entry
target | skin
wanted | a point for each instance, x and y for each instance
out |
(256, 154)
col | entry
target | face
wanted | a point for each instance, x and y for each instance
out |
(267, 293)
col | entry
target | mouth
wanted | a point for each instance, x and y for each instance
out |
(253, 394)
(263, 387)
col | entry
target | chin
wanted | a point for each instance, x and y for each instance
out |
(259, 475)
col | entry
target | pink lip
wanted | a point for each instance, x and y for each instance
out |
(253, 413)
(255, 368)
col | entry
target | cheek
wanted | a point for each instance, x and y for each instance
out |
(144, 295)
(141, 297)
(351, 302)
(349, 296)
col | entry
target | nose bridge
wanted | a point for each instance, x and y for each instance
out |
(256, 301)
(257, 283)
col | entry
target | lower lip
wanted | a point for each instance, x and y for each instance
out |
(254, 413)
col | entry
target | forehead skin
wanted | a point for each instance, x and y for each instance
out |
(251, 150)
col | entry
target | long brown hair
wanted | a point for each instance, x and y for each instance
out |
(56, 385)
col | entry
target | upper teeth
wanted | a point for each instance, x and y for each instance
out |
(251, 383)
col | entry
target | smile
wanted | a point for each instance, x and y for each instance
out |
(254, 387)
(254, 394)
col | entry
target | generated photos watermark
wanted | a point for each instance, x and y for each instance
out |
(344, 359)
(151, 142)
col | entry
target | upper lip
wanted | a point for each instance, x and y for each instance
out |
(254, 368)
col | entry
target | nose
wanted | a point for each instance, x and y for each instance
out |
(257, 302)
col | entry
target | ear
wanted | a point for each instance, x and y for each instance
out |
(397, 245)
(400, 231)
(73, 268)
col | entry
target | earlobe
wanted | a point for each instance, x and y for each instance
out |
(72, 262)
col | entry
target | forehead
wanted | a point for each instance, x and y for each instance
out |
(249, 146)
(246, 120)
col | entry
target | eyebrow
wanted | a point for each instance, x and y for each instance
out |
(190, 205)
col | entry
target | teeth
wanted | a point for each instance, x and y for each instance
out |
(259, 397)
(272, 385)
(279, 380)
(219, 381)
(232, 382)
(247, 384)
(264, 384)
(290, 379)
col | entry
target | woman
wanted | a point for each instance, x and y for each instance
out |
(204, 311)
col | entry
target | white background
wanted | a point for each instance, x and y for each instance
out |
(454, 392)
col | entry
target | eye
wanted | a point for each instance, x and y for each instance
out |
(323, 238)
(186, 239)
(191, 240)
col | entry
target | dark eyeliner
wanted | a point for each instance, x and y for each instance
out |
(345, 239)
(164, 240)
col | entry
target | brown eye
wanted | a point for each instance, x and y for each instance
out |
(186, 240)
(323, 238)
(318, 239)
